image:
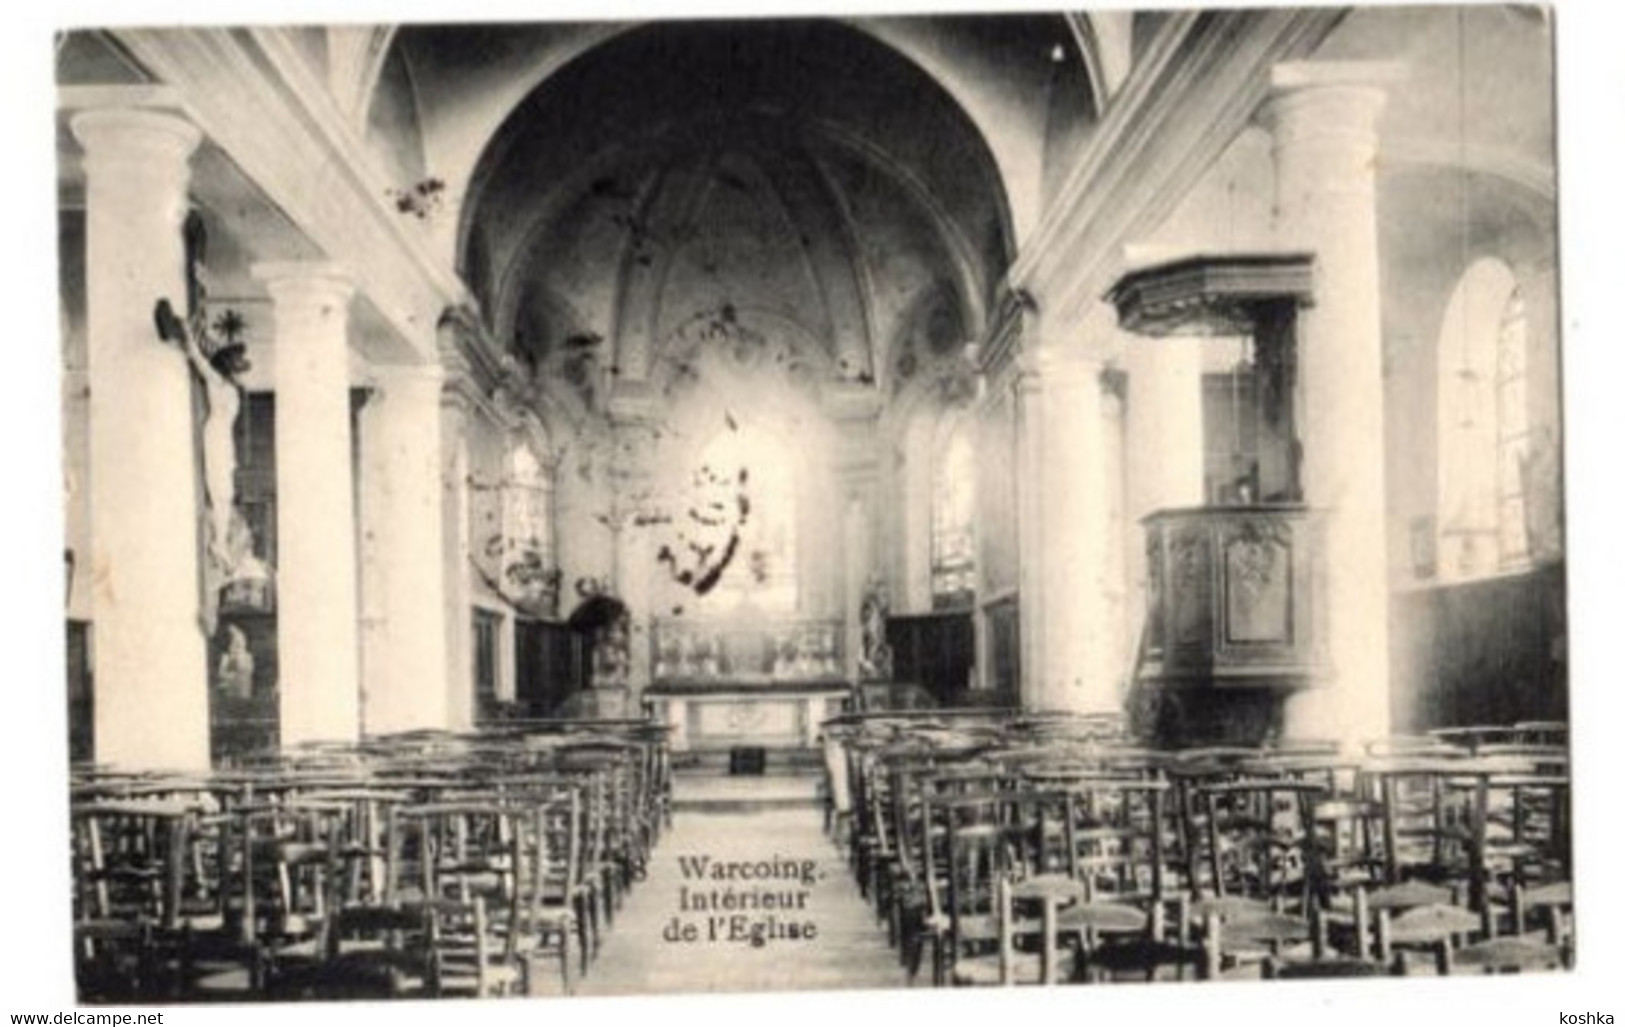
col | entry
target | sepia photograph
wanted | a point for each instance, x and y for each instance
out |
(809, 502)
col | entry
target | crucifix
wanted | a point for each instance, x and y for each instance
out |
(215, 365)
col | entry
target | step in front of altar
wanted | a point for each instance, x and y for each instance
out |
(704, 788)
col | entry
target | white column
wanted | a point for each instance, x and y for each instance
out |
(456, 400)
(1067, 649)
(1163, 418)
(1112, 477)
(636, 566)
(318, 636)
(635, 562)
(856, 570)
(1163, 446)
(1324, 118)
(913, 517)
(152, 702)
(406, 682)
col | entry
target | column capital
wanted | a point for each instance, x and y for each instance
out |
(633, 403)
(414, 381)
(456, 330)
(304, 281)
(1297, 75)
(458, 392)
(508, 405)
(860, 479)
(848, 402)
(142, 140)
(1057, 366)
(1312, 99)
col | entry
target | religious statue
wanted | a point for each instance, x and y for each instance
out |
(612, 651)
(875, 658)
(608, 623)
(215, 366)
(235, 675)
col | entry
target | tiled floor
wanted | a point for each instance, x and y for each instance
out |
(849, 950)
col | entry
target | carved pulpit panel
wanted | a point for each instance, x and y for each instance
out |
(1233, 595)
(1258, 583)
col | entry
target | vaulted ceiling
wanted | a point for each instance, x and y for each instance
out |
(855, 187)
(812, 178)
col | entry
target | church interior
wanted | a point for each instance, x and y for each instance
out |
(1034, 498)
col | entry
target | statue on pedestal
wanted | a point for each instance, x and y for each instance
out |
(235, 675)
(875, 658)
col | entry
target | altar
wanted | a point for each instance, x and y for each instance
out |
(726, 684)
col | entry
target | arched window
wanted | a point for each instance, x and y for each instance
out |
(1483, 426)
(953, 517)
(1512, 428)
(527, 515)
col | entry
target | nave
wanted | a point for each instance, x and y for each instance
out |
(954, 848)
(848, 950)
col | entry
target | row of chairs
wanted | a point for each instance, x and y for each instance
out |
(427, 864)
(990, 843)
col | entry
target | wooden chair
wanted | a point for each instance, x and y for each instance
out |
(135, 866)
(1118, 844)
(1473, 737)
(1521, 823)
(559, 899)
(1511, 954)
(468, 954)
(1427, 826)
(1253, 840)
(1542, 732)
(1248, 937)
(1417, 917)
(1005, 963)
(113, 959)
(1323, 969)
(978, 853)
(915, 922)
(371, 952)
(1116, 833)
(1552, 903)
(470, 868)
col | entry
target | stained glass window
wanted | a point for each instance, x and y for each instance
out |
(1483, 426)
(527, 504)
(1512, 429)
(953, 519)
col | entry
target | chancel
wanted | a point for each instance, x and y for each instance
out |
(583, 507)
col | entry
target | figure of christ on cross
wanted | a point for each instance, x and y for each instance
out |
(215, 365)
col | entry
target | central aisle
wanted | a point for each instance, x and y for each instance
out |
(766, 851)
